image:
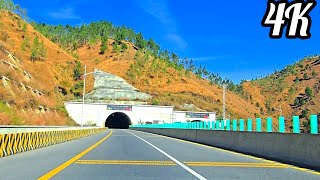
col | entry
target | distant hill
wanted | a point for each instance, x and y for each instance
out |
(294, 90)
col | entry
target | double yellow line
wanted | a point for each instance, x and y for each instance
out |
(72, 160)
(171, 163)
(126, 162)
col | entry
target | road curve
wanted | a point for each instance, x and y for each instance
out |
(128, 154)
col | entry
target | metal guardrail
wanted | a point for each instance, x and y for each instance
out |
(13, 143)
(240, 125)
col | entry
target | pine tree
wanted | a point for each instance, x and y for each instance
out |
(140, 42)
(38, 50)
(104, 44)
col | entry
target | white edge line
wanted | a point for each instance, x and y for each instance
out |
(172, 158)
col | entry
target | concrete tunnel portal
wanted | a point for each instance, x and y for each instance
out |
(118, 120)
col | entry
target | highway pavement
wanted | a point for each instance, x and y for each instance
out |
(128, 154)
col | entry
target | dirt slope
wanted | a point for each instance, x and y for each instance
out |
(286, 90)
(29, 92)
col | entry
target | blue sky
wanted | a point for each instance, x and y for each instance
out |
(225, 37)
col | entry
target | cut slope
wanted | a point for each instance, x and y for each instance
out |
(30, 89)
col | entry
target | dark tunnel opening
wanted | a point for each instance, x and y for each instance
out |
(118, 120)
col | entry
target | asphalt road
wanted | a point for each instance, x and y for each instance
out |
(128, 154)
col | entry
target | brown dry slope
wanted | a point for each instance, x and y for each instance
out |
(30, 92)
(286, 90)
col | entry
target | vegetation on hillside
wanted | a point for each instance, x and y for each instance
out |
(73, 37)
(291, 91)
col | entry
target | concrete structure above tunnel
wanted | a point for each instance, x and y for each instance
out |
(98, 113)
(112, 87)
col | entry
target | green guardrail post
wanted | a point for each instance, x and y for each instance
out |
(296, 124)
(314, 124)
(241, 125)
(282, 128)
(258, 125)
(269, 124)
(213, 125)
(228, 128)
(234, 125)
(222, 125)
(218, 125)
(249, 125)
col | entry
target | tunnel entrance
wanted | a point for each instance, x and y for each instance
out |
(118, 120)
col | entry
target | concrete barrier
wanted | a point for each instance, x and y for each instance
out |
(297, 149)
(34, 138)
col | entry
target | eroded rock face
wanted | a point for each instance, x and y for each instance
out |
(109, 86)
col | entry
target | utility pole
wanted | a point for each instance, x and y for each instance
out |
(224, 102)
(84, 91)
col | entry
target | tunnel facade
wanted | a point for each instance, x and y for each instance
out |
(118, 120)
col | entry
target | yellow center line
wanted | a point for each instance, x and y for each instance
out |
(72, 160)
(124, 161)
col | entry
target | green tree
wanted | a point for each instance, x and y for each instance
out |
(305, 76)
(309, 92)
(104, 44)
(24, 27)
(292, 90)
(124, 46)
(153, 47)
(35, 49)
(38, 50)
(25, 43)
(304, 113)
(296, 102)
(297, 79)
(140, 42)
(77, 71)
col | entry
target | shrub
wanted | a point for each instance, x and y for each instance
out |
(309, 92)
(304, 113)
(124, 46)
(296, 102)
(314, 74)
(155, 102)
